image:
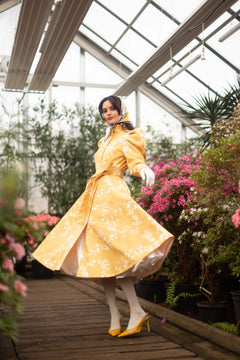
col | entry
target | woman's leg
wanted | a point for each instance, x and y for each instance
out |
(109, 289)
(136, 311)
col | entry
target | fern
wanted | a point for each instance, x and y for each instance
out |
(226, 326)
(172, 300)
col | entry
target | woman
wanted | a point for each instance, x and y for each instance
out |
(106, 235)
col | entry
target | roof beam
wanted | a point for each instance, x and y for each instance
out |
(64, 24)
(207, 13)
(31, 23)
(120, 69)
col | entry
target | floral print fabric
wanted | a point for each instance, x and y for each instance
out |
(106, 233)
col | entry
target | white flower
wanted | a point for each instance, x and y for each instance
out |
(205, 250)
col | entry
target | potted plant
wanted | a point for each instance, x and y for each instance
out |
(165, 201)
(234, 255)
(152, 288)
(211, 212)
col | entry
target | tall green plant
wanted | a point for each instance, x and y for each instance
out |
(208, 109)
(63, 147)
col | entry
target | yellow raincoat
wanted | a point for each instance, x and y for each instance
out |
(106, 233)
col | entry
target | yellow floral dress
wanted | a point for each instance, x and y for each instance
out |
(106, 233)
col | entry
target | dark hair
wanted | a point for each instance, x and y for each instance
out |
(117, 104)
(114, 100)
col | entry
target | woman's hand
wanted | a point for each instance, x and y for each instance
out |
(148, 176)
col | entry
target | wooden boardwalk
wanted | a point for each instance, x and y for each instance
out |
(66, 318)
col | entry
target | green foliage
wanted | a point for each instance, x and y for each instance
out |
(14, 141)
(209, 217)
(226, 326)
(12, 233)
(172, 299)
(161, 146)
(63, 147)
(207, 110)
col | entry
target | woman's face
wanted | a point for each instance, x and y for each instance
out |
(110, 114)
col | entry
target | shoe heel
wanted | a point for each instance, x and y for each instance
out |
(148, 325)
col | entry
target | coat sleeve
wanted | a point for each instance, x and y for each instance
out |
(134, 151)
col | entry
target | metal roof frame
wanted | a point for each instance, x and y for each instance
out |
(123, 71)
(185, 33)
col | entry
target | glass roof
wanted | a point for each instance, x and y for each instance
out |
(130, 31)
(133, 44)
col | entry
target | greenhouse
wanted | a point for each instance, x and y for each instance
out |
(120, 147)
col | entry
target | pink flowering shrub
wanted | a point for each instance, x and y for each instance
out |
(236, 216)
(211, 221)
(171, 192)
(42, 224)
(165, 202)
(12, 235)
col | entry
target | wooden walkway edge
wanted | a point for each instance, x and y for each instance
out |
(67, 318)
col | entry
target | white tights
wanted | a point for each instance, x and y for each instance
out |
(136, 311)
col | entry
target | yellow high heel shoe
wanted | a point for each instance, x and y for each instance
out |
(137, 329)
(116, 332)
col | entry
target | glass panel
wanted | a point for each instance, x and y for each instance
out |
(96, 72)
(229, 47)
(214, 72)
(127, 62)
(154, 25)
(119, 7)
(103, 23)
(180, 9)
(135, 47)
(186, 86)
(159, 119)
(178, 98)
(8, 25)
(69, 69)
(95, 38)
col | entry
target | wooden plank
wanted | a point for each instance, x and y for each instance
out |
(68, 319)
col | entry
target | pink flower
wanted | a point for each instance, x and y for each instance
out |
(163, 321)
(18, 250)
(35, 226)
(19, 205)
(10, 238)
(3, 287)
(46, 233)
(8, 265)
(53, 220)
(20, 288)
(236, 218)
